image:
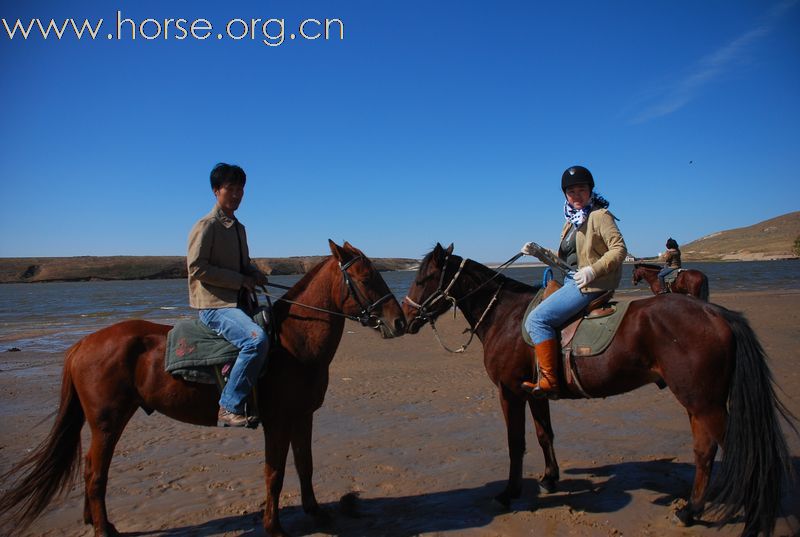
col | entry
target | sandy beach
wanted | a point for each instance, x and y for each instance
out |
(417, 435)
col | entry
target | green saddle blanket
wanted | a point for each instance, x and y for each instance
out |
(594, 334)
(194, 350)
(670, 278)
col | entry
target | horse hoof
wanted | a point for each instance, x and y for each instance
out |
(109, 531)
(504, 499)
(348, 505)
(322, 518)
(278, 532)
(548, 484)
(684, 517)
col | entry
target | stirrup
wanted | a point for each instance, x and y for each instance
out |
(537, 392)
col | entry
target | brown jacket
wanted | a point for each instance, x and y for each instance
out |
(600, 244)
(672, 258)
(216, 270)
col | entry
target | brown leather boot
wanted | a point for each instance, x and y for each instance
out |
(547, 354)
(226, 418)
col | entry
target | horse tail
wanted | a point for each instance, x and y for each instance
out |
(755, 463)
(52, 467)
(703, 288)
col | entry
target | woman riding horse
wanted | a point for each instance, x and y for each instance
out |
(707, 356)
(672, 261)
(593, 246)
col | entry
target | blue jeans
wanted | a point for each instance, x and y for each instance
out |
(663, 273)
(556, 309)
(238, 329)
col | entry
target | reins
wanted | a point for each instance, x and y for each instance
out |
(471, 330)
(423, 309)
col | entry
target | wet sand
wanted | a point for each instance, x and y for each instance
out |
(417, 434)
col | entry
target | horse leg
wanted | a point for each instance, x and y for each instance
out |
(87, 470)
(707, 432)
(540, 410)
(105, 435)
(304, 463)
(276, 446)
(514, 414)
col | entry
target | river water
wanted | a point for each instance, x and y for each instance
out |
(52, 316)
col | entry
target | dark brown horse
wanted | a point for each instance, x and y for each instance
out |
(111, 373)
(689, 281)
(708, 356)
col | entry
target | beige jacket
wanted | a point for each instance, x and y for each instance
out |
(600, 244)
(215, 268)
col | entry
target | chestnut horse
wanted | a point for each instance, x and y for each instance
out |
(708, 356)
(111, 373)
(689, 281)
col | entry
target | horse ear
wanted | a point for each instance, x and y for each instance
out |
(337, 251)
(352, 249)
(449, 249)
(438, 251)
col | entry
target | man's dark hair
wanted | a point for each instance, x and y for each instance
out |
(227, 173)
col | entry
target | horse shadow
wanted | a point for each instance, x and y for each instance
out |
(600, 489)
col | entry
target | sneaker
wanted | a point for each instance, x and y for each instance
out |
(229, 419)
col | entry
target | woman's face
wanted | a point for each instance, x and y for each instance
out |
(579, 195)
(229, 196)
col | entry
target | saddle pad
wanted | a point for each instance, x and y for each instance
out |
(193, 350)
(672, 276)
(594, 335)
(537, 299)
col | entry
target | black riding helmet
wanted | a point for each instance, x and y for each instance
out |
(576, 175)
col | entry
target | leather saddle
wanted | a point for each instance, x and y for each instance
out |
(594, 339)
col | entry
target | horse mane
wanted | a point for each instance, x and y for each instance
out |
(485, 273)
(649, 266)
(301, 285)
(509, 284)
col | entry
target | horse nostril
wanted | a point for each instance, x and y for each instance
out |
(400, 325)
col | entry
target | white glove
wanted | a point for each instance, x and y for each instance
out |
(584, 276)
(527, 248)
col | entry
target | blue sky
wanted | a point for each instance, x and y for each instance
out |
(430, 121)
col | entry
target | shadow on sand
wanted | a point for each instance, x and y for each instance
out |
(602, 489)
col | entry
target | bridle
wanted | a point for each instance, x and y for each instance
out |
(424, 313)
(366, 316)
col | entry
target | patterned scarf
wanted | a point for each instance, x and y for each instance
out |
(578, 216)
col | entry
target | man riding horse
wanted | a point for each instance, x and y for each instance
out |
(220, 274)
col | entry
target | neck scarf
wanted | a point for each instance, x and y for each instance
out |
(577, 216)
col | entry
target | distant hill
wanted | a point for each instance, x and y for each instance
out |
(48, 269)
(770, 239)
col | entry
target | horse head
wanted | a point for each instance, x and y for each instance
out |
(428, 298)
(637, 273)
(365, 293)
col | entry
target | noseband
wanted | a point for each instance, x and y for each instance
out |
(423, 310)
(366, 317)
